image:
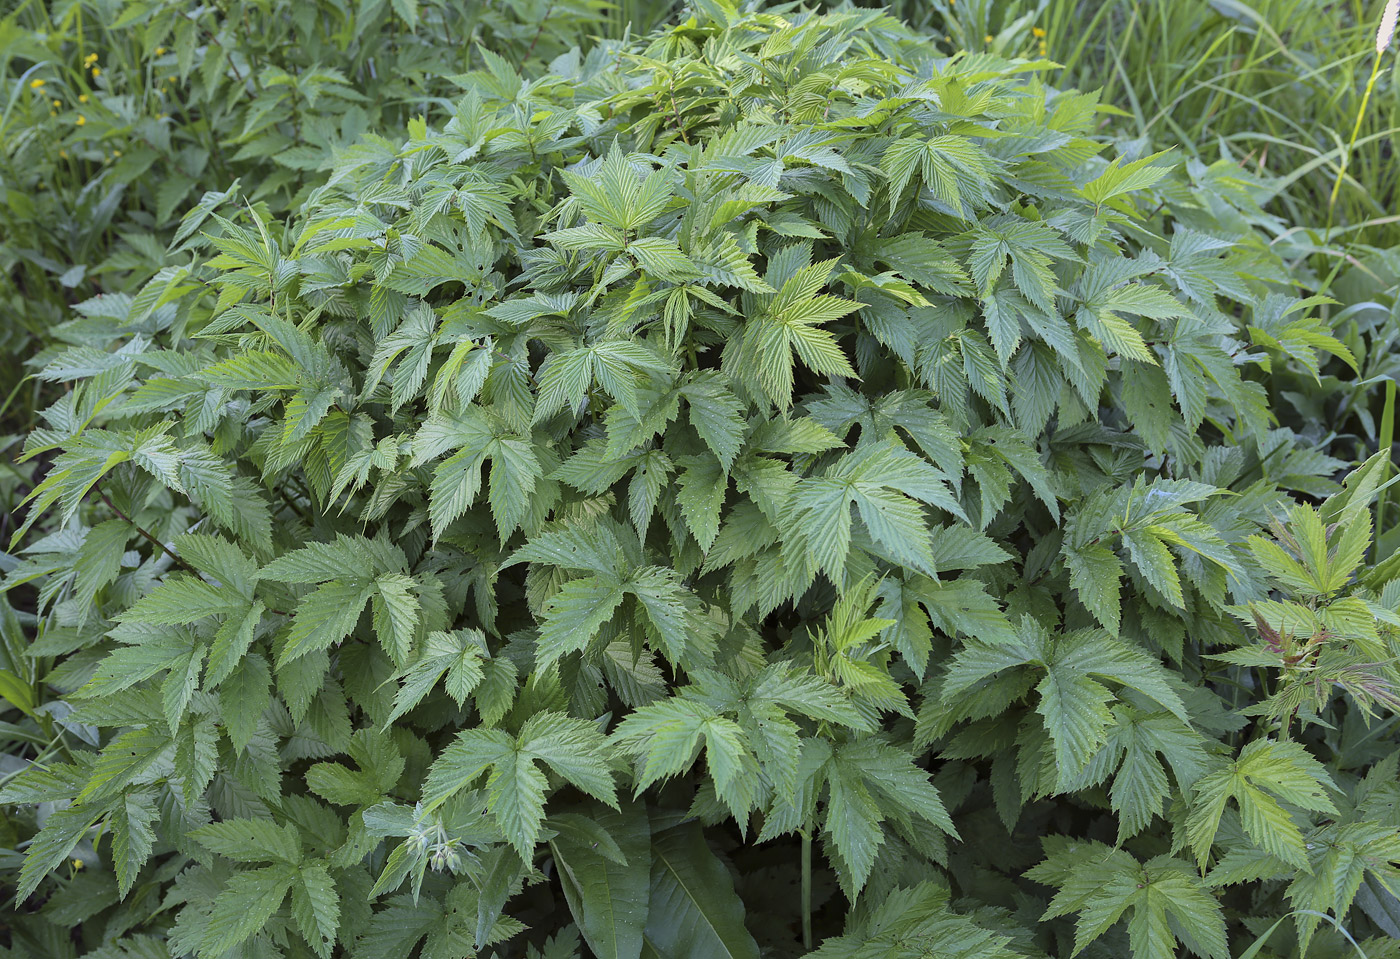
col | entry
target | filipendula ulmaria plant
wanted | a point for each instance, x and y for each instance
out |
(765, 486)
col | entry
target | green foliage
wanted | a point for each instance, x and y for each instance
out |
(118, 117)
(772, 391)
(1276, 84)
(1295, 92)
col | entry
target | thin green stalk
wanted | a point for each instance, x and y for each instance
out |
(13, 393)
(1387, 442)
(1351, 144)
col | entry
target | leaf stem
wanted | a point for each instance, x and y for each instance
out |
(145, 532)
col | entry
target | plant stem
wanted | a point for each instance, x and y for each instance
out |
(807, 889)
(1351, 144)
(145, 532)
(536, 38)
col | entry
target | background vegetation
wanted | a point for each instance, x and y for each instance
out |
(272, 271)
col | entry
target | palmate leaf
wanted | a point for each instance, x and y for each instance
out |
(458, 655)
(442, 927)
(457, 480)
(744, 731)
(1341, 859)
(868, 782)
(885, 483)
(791, 321)
(672, 614)
(1163, 899)
(619, 196)
(1071, 672)
(668, 614)
(952, 167)
(667, 737)
(381, 765)
(573, 748)
(1140, 786)
(1265, 774)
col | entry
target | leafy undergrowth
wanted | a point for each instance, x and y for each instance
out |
(770, 488)
(117, 117)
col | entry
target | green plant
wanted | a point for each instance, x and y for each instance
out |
(765, 484)
(1384, 33)
(116, 117)
(1280, 84)
(1283, 87)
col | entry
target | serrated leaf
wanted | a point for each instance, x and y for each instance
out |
(244, 906)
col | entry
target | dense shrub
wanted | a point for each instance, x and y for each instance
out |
(772, 436)
(118, 117)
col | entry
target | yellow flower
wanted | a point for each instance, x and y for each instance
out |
(81, 120)
(1044, 50)
(160, 51)
(63, 154)
(1038, 33)
(57, 104)
(987, 39)
(82, 98)
(90, 59)
(96, 72)
(78, 864)
(36, 83)
(117, 153)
